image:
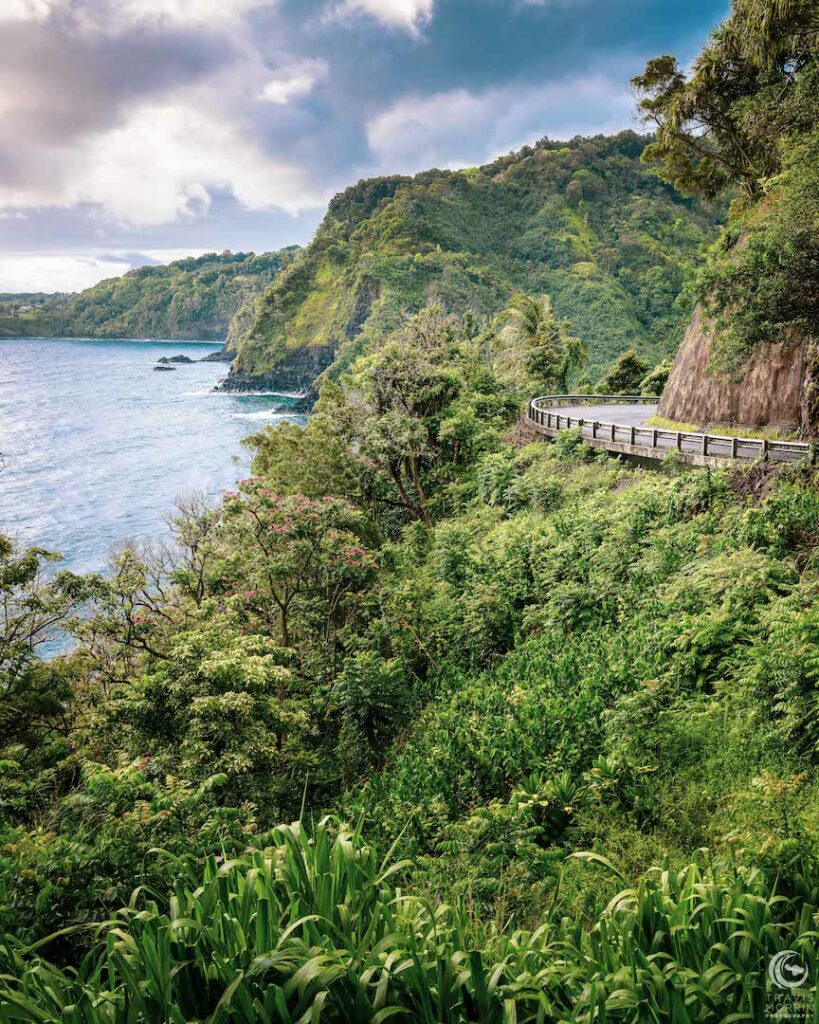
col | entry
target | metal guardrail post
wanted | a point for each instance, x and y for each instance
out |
(704, 444)
(594, 429)
(631, 436)
(764, 450)
(734, 448)
(613, 431)
(654, 438)
(679, 441)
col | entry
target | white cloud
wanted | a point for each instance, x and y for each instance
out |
(73, 271)
(294, 80)
(160, 164)
(457, 128)
(114, 15)
(403, 14)
(26, 10)
(203, 12)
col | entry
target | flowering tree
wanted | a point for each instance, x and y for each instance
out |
(291, 559)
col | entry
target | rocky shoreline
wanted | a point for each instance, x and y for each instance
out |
(293, 377)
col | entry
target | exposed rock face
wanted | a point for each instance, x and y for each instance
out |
(769, 391)
(294, 374)
(366, 295)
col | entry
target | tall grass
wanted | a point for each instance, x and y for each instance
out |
(315, 928)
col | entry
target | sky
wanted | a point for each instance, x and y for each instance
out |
(138, 131)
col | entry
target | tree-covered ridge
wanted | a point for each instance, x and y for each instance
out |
(584, 222)
(193, 298)
(27, 314)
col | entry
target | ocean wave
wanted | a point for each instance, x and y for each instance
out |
(264, 394)
(262, 414)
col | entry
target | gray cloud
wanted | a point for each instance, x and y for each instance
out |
(135, 125)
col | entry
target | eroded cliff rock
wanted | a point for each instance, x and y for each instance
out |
(771, 390)
(295, 373)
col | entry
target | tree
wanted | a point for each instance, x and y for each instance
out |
(223, 704)
(747, 117)
(626, 376)
(33, 611)
(752, 87)
(428, 403)
(655, 380)
(534, 348)
(290, 556)
(35, 695)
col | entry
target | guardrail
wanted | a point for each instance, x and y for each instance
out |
(655, 442)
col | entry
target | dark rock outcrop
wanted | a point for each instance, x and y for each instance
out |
(175, 359)
(769, 391)
(164, 369)
(368, 291)
(294, 375)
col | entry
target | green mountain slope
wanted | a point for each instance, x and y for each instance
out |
(584, 221)
(190, 298)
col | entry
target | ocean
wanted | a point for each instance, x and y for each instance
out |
(96, 445)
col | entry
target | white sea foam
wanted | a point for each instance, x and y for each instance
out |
(264, 394)
(261, 414)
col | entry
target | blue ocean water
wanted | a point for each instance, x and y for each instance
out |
(97, 446)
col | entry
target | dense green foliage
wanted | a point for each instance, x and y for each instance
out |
(28, 314)
(571, 707)
(314, 929)
(541, 683)
(193, 298)
(581, 221)
(746, 117)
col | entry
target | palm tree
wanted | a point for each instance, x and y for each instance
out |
(534, 348)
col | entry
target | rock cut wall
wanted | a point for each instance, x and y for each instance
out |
(769, 391)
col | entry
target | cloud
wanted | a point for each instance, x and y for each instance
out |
(112, 16)
(147, 124)
(294, 80)
(192, 12)
(26, 10)
(213, 124)
(403, 14)
(457, 128)
(160, 165)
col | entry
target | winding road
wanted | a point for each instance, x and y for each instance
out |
(617, 423)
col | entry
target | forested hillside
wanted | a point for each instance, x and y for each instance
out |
(583, 221)
(23, 315)
(193, 298)
(569, 706)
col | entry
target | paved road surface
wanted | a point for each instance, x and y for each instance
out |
(626, 415)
